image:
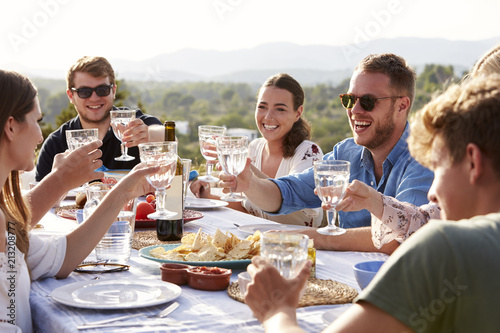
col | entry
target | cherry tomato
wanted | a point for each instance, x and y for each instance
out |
(150, 198)
(143, 209)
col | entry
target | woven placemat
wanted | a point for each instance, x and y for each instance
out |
(70, 207)
(147, 238)
(318, 292)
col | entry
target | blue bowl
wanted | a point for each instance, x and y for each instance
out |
(365, 271)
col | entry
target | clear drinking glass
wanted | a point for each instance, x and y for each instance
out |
(186, 169)
(232, 152)
(80, 137)
(207, 135)
(163, 154)
(331, 178)
(119, 123)
(115, 245)
(285, 251)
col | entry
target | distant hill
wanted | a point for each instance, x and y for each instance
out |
(310, 64)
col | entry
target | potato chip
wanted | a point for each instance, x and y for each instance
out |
(240, 250)
(188, 238)
(198, 241)
(219, 239)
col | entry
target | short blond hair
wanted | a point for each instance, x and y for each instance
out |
(463, 114)
(95, 66)
(402, 78)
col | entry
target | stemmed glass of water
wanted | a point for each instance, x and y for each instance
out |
(163, 154)
(331, 178)
(207, 135)
(232, 152)
(119, 122)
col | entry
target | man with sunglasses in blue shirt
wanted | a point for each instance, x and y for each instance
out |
(378, 103)
(91, 88)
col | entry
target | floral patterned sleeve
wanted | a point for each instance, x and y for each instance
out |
(400, 220)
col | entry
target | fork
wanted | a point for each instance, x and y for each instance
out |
(161, 314)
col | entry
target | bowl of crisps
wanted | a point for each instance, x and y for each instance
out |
(201, 249)
(209, 278)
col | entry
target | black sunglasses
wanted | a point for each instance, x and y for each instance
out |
(367, 101)
(101, 91)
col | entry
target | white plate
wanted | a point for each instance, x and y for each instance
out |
(332, 314)
(193, 203)
(116, 294)
(252, 228)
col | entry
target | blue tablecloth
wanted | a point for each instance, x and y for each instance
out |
(200, 311)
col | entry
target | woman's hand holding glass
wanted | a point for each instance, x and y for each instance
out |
(233, 153)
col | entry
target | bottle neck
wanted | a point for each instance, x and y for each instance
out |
(169, 131)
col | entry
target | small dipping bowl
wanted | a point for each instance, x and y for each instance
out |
(209, 278)
(243, 280)
(175, 273)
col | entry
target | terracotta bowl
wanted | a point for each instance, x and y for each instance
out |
(209, 278)
(175, 273)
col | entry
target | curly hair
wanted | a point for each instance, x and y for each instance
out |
(17, 98)
(301, 129)
(463, 114)
(488, 63)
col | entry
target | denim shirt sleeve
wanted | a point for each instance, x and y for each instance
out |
(297, 192)
(403, 178)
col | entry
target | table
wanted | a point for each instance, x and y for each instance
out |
(200, 311)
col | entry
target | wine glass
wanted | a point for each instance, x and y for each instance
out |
(232, 152)
(163, 154)
(80, 137)
(331, 178)
(119, 123)
(207, 135)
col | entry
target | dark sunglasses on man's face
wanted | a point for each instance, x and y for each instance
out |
(367, 102)
(101, 91)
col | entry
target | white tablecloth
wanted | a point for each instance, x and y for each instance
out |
(203, 311)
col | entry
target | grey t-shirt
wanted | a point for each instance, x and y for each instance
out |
(444, 278)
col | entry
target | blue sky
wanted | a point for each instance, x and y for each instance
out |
(54, 33)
